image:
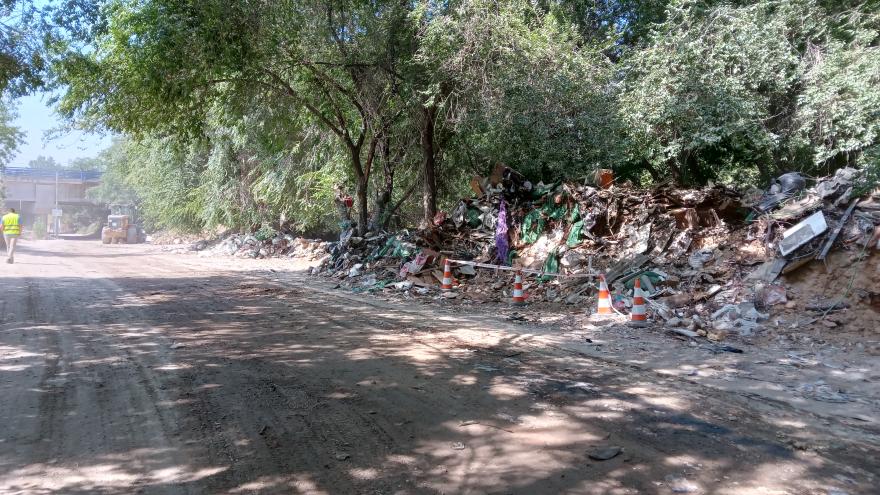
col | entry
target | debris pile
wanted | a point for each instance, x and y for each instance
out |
(787, 227)
(712, 262)
(708, 259)
(562, 234)
(259, 246)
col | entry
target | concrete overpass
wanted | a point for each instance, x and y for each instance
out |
(35, 192)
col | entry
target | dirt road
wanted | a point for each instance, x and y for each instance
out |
(124, 370)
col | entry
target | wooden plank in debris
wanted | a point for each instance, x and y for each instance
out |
(768, 271)
(833, 236)
(418, 281)
(797, 209)
(683, 332)
(527, 271)
(627, 266)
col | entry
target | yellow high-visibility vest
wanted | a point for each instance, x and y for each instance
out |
(11, 225)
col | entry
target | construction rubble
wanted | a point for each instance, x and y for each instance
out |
(710, 260)
(259, 246)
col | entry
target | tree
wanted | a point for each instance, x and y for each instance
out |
(838, 119)
(21, 59)
(240, 176)
(744, 92)
(163, 176)
(86, 164)
(11, 138)
(114, 163)
(161, 64)
(625, 22)
(44, 163)
(522, 88)
(265, 110)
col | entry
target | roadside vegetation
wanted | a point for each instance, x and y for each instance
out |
(263, 114)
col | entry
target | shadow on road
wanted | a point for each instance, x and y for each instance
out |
(230, 385)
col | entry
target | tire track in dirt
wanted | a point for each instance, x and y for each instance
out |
(286, 414)
(96, 404)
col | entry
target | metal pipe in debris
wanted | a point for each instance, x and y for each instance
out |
(523, 270)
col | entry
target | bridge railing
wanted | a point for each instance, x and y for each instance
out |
(36, 173)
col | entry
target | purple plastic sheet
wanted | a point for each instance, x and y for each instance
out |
(502, 246)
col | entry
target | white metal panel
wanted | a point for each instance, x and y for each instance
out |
(802, 233)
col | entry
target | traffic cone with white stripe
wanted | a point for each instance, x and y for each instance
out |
(604, 298)
(446, 284)
(519, 298)
(639, 316)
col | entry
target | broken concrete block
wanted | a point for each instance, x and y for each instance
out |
(768, 271)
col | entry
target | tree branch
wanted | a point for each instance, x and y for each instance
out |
(351, 96)
(405, 196)
(340, 131)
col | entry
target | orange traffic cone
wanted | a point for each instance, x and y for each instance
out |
(638, 316)
(446, 284)
(604, 298)
(519, 299)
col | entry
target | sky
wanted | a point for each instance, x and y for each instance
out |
(35, 118)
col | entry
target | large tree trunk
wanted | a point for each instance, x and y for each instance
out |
(429, 162)
(363, 213)
(363, 180)
(379, 219)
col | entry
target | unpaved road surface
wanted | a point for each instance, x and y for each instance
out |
(124, 370)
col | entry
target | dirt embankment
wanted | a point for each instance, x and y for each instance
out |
(851, 277)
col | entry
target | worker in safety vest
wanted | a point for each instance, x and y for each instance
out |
(11, 226)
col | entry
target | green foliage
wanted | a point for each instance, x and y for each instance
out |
(301, 192)
(250, 114)
(870, 162)
(86, 164)
(22, 62)
(165, 66)
(11, 138)
(83, 219)
(624, 21)
(81, 164)
(529, 91)
(44, 163)
(265, 232)
(840, 106)
(114, 188)
(165, 176)
(40, 228)
(231, 180)
(726, 90)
